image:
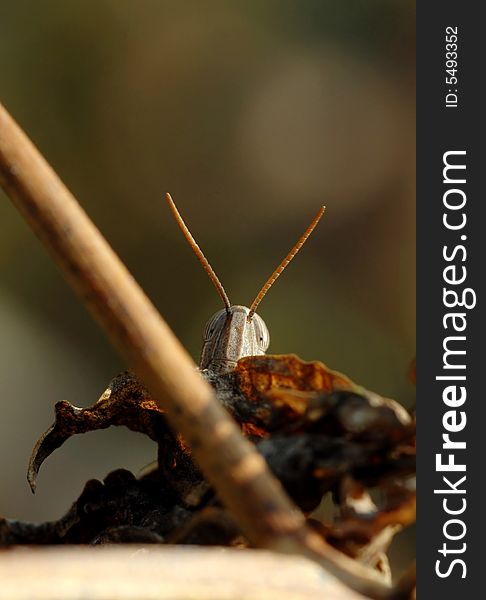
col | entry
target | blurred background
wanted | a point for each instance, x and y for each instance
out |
(252, 114)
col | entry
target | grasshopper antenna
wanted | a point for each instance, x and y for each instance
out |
(199, 253)
(278, 271)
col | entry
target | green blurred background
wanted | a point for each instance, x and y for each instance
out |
(252, 114)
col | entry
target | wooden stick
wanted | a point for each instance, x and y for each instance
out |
(236, 470)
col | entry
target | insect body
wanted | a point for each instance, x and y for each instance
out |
(235, 331)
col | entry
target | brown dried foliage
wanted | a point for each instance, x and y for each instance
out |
(319, 432)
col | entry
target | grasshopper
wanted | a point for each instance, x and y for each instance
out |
(235, 331)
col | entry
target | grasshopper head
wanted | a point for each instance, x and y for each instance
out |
(235, 331)
(231, 334)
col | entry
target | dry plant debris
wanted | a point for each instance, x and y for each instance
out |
(319, 432)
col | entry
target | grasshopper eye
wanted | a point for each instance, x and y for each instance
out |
(261, 332)
(214, 324)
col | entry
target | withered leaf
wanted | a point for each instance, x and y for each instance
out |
(280, 393)
(265, 394)
(270, 392)
(315, 427)
(121, 500)
(259, 375)
(126, 402)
